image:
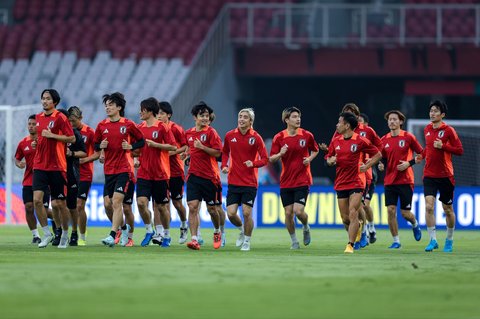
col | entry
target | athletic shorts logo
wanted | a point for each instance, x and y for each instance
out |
(84, 137)
(441, 133)
(123, 129)
(61, 196)
(155, 134)
(129, 200)
(179, 196)
(363, 134)
(83, 195)
(302, 200)
(353, 148)
(302, 142)
(250, 202)
(120, 189)
(51, 124)
(401, 143)
(251, 140)
(203, 137)
(211, 202)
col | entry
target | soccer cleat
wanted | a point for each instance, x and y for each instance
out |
(245, 246)
(217, 240)
(157, 239)
(193, 245)
(431, 245)
(108, 241)
(82, 242)
(372, 237)
(295, 245)
(183, 235)
(47, 239)
(306, 237)
(117, 236)
(73, 239)
(56, 239)
(448, 248)
(124, 237)
(147, 239)
(359, 233)
(363, 240)
(129, 243)
(224, 239)
(36, 240)
(348, 249)
(200, 240)
(240, 239)
(417, 233)
(63, 242)
(357, 245)
(166, 242)
(395, 245)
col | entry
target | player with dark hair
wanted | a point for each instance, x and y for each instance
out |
(26, 150)
(441, 142)
(204, 146)
(296, 147)
(50, 164)
(398, 148)
(242, 154)
(117, 136)
(346, 152)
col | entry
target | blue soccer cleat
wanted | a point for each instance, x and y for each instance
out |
(224, 239)
(357, 245)
(166, 242)
(109, 241)
(200, 240)
(448, 246)
(363, 240)
(147, 239)
(395, 245)
(431, 245)
(417, 233)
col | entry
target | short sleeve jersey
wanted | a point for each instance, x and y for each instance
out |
(202, 164)
(86, 169)
(176, 164)
(27, 152)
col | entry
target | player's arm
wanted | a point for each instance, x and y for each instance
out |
(164, 147)
(62, 138)
(262, 157)
(225, 155)
(95, 156)
(277, 151)
(19, 156)
(210, 151)
(375, 157)
(454, 145)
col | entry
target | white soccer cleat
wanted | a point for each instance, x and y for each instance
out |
(240, 239)
(47, 239)
(295, 245)
(124, 236)
(245, 246)
(63, 242)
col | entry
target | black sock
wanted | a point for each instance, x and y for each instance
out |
(124, 227)
(351, 244)
(113, 233)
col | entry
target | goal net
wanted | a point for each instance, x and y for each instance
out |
(466, 168)
(13, 127)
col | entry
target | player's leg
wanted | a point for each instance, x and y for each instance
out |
(370, 226)
(72, 194)
(176, 195)
(406, 193)
(287, 196)
(343, 207)
(354, 204)
(161, 200)
(27, 196)
(300, 199)
(446, 197)
(58, 185)
(391, 200)
(144, 192)
(248, 226)
(430, 192)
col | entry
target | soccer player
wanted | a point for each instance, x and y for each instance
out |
(50, 164)
(242, 154)
(204, 145)
(86, 169)
(441, 142)
(296, 148)
(117, 136)
(398, 148)
(346, 151)
(177, 173)
(26, 150)
(153, 171)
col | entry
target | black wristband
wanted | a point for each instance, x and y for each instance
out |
(412, 162)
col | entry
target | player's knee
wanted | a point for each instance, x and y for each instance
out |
(429, 208)
(29, 208)
(448, 209)
(392, 211)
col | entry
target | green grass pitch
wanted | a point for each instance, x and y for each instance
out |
(270, 281)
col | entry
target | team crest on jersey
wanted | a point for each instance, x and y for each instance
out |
(363, 134)
(51, 124)
(123, 129)
(203, 137)
(302, 142)
(401, 143)
(441, 133)
(155, 134)
(353, 148)
(251, 140)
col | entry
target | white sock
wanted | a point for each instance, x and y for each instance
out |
(159, 229)
(35, 233)
(130, 235)
(415, 224)
(199, 233)
(167, 232)
(216, 230)
(432, 233)
(294, 238)
(306, 227)
(247, 239)
(64, 233)
(149, 228)
(83, 236)
(450, 233)
(46, 231)
(194, 238)
(222, 228)
(183, 224)
(396, 239)
(371, 227)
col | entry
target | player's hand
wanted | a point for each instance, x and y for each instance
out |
(438, 144)
(103, 145)
(197, 144)
(363, 167)
(126, 145)
(306, 161)
(69, 153)
(149, 142)
(418, 158)
(136, 162)
(283, 150)
(183, 155)
(323, 147)
(225, 170)
(101, 159)
(332, 160)
(403, 165)
(47, 133)
(248, 163)
(170, 153)
(21, 164)
(381, 167)
(82, 160)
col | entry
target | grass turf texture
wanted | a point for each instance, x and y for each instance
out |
(270, 281)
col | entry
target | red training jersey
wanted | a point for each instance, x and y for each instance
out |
(294, 173)
(50, 153)
(154, 162)
(438, 162)
(350, 154)
(176, 164)
(202, 164)
(395, 149)
(27, 152)
(117, 160)
(86, 169)
(239, 148)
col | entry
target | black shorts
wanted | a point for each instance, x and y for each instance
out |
(394, 192)
(54, 180)
(443, 185)
(72, 193)
(27, 195)
(175, 186)
(241, 195)
(347, 192)
(199, 188)
(156, 190)
(219, 196)
(119, 183)
(293, 195)
(369, 190)
(84, 189)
